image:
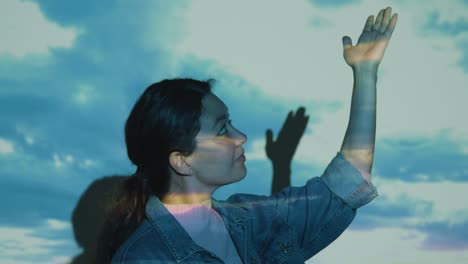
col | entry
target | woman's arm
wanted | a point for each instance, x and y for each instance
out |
(364, 59)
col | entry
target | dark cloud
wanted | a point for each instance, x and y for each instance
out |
(109, 56)
(440, 158)
(446, 28)
(30, 204)
(76, 12)
(445, 236)
(385, 212)
(449, 29)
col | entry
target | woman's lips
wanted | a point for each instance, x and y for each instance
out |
(241, 158)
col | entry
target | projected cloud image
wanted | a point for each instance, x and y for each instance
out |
(70, 71)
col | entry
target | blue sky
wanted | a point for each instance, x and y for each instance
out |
(71, 71)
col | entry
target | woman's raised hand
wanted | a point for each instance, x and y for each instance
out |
(373, 40)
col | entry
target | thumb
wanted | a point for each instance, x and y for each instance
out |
(269, 137)
(347, 42)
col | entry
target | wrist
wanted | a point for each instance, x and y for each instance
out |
(366, 66)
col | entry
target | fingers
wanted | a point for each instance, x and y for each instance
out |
(378, 20)
(388, 32)
(347, 43)
(369, 22)
(385, 19)
(385, 23)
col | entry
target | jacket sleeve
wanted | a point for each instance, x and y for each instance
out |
(320, 210)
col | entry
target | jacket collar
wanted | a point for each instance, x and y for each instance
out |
(232, 211)
(174, 235)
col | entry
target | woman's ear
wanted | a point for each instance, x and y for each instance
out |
(180, 163)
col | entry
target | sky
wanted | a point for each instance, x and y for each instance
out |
(70, 71)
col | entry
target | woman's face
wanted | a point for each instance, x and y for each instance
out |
(219, 157)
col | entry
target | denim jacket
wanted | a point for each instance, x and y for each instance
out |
(288, 227)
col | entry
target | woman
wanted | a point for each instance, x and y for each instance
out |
(184, 145)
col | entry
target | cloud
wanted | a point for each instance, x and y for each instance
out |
(260, 50)
(459, 26)
(6, 147)
(70, 107)
(451, 23)
(443, 236)
(26, 245)
(36, 36)
(446, 198)
(437, 158)
(386, 246)
(55, 224)
(435, 209)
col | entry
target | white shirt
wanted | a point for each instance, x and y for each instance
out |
(206, 227)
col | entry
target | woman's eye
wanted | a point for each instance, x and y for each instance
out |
(223, 129)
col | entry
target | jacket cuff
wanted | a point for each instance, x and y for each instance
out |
(348, 183)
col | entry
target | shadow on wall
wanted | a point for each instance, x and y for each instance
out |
(89, 214)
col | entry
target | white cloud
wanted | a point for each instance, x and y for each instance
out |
(26, 31)
(56, 224)
(62, 160)
(446, 197)
(6, 147)
(21, 245)
(88, 163)
(258, 151)
(84, 94)
(29, 140)
(385, 246)
(58, 163)
(30, 134)
(23, 242)
(69, 158)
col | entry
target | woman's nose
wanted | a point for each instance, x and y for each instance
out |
(240, 138)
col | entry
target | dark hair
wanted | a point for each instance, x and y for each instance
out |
(164, 119)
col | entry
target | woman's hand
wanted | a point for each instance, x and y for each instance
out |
(373, 40)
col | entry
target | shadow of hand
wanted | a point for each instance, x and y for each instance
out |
(281, 150)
